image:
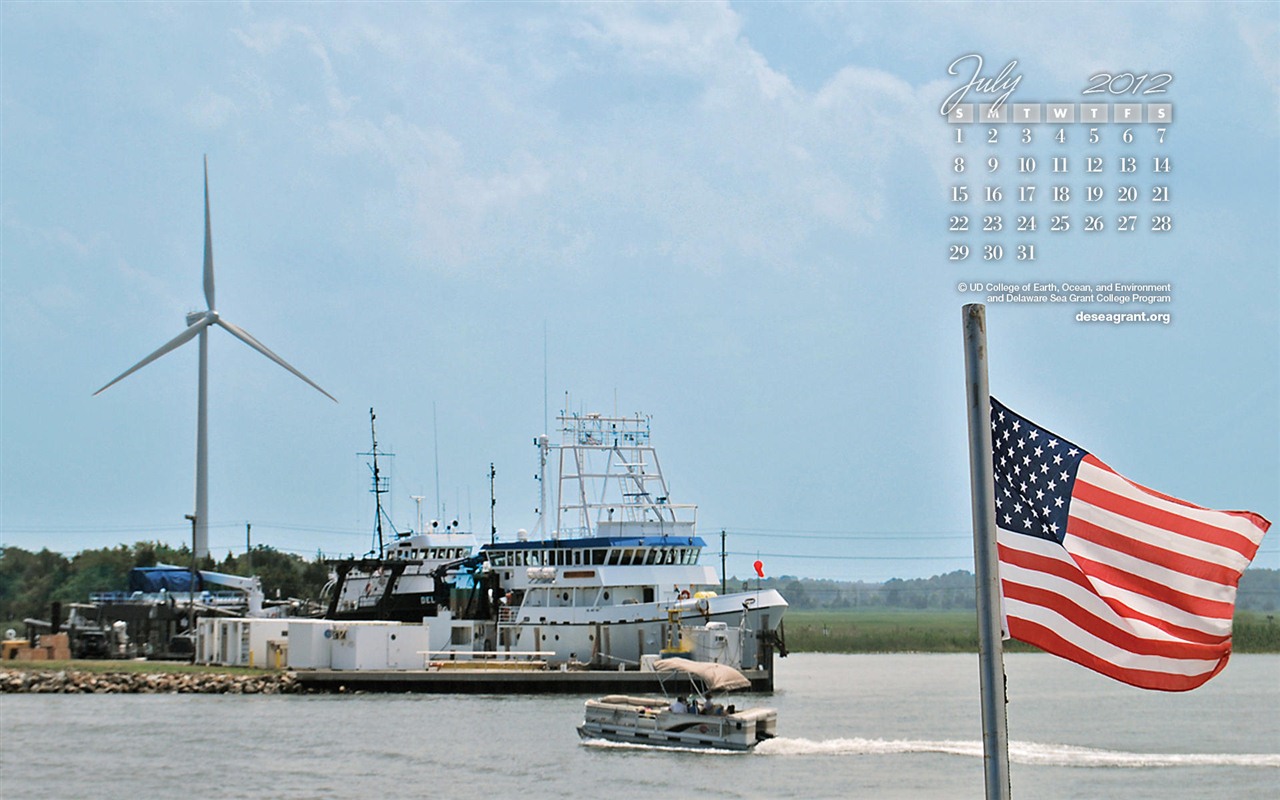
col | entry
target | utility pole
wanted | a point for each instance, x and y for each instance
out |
(191, 590)
(248, 547)
(723, 576)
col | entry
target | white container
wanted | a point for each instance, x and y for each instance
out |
(310, 643)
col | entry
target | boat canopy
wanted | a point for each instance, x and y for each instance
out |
(162, 577)
(717, 677)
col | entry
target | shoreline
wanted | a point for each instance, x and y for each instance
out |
(35, 678)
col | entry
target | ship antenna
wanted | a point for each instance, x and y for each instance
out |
(435, 437)
(546, 415)
(379, 483)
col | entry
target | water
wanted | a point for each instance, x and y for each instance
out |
(885, 726)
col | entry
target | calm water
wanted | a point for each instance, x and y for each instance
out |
(887, 726)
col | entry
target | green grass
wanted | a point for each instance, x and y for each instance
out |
(903, 631)
(1256, 632)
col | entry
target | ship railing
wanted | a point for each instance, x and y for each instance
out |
(480, 659)
(507, 615)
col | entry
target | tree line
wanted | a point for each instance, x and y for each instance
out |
(31, 582)
(1259, 590)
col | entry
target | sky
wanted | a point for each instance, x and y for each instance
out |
(731, 217)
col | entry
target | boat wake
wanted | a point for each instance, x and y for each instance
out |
(1059, 755)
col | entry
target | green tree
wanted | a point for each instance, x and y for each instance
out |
(28, 582)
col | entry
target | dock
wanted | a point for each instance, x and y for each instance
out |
(498, 681)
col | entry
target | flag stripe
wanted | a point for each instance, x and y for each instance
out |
(1061, 572)
(1194, 557)
(1252, 521)
(1172, 661)
(1109, 490)
(1051, 641)
(1153, 581)
(1039, 576)
(1125, 642)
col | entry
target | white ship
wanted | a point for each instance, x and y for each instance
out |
(612, 575)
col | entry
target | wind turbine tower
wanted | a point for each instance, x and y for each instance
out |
(198, 324)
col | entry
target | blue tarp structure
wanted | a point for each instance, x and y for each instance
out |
(154, 579)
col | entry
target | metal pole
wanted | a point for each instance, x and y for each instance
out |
(995, 735)
(723, 576)
(248, 547)
(191, 590)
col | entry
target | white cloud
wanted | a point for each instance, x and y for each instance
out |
(211, 111)
(1260, 33)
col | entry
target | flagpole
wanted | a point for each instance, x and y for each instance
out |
(995, 734)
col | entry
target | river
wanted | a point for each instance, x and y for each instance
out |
(873, 726)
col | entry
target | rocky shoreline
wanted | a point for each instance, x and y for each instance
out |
(77, 682)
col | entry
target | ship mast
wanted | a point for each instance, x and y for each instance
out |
(379, 483)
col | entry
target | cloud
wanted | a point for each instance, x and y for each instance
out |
(659, 129)
(1260, 33)
(211, 111)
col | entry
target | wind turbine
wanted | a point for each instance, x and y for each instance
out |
(198, 323)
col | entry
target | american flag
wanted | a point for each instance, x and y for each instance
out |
(1112, 575)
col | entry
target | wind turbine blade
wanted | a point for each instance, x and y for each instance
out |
(208, 243)
(245, 337)
(172, 344)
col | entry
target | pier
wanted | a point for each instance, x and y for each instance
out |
(474, 679)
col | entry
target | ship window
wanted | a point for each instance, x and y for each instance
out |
(577, 558)
(597, 556)
(614, 555)
(653, 556)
